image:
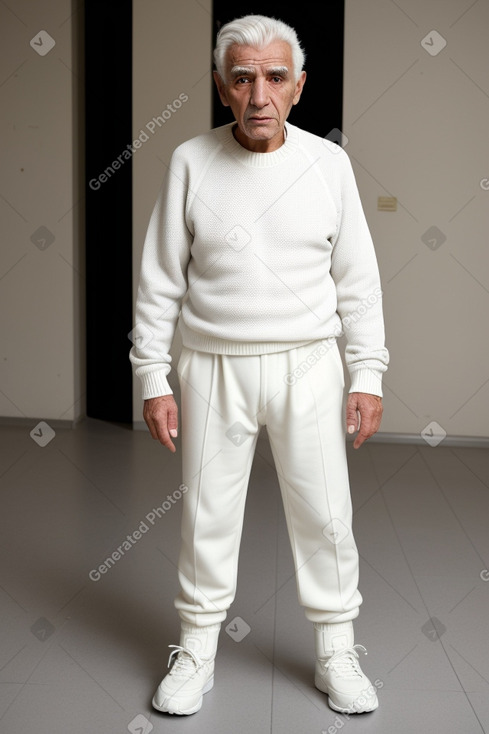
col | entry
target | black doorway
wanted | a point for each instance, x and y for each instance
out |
(108, 120)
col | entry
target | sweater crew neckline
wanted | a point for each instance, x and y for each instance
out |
(258, 160)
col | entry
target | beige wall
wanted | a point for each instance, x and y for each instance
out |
(417, 124)
(41, 258)
(172, 42)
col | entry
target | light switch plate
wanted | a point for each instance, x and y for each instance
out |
(387, 204)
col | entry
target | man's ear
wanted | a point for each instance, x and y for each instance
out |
(299, 86)
(221, 88)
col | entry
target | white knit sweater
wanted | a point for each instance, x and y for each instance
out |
(252, 253)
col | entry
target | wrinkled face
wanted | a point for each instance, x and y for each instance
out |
(260, 89)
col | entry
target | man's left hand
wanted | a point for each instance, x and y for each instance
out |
(363, 414)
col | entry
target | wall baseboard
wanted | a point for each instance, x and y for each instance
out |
(478, 442)
(416, 438)
(30, 423)
(387, 437)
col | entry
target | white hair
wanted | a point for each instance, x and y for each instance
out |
(257, 31)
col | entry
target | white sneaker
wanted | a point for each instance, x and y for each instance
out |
(182, 689)
(348, 688)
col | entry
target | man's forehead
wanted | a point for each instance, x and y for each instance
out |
(276, 54)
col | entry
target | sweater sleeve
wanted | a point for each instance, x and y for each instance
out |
(354, 269)
(162, 282)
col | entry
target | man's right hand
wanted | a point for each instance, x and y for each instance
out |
(161, 416)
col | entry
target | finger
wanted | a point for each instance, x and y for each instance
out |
(169, 445)
(152, 429)
(164, 438)
(159, 431)
(163, 434)
(352, 418)
(354, 422)
(172, 422)
(360, 438)
(368, 427)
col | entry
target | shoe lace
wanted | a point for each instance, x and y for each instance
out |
(345, 663)
(185, 661)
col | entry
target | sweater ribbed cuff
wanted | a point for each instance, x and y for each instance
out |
(155, 385)
(367, 381)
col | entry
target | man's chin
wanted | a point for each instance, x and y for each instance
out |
(254, 134)
(262, 131)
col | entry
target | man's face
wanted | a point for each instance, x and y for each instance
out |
(260, 88)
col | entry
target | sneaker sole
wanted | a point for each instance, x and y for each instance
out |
(345, 709)
(175, 709)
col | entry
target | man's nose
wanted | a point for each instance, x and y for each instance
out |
(259, 92)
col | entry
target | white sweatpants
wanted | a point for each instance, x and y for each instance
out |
(225, 400)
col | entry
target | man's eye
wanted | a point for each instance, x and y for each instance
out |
(276, 78)
(242, 80)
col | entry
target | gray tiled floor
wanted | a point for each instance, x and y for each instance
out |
(80, 655)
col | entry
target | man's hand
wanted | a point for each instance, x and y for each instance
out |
(363, 414)
(161, 416)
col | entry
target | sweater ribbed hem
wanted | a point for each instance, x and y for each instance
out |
(205, 343)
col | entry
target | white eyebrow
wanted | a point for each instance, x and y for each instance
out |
(241, 70)
(250, 71)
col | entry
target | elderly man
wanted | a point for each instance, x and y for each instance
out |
(258, 247)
